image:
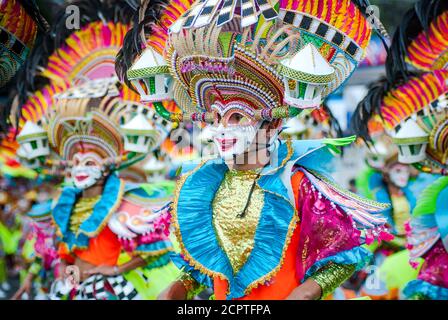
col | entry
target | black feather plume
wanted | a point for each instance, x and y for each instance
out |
(147, 13)
(368, 107)
(33, 10)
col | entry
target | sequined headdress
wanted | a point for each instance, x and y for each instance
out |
(276, 58)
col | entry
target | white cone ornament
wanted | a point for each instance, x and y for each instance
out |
(412, 141)
(33, 141)
(139, 135)
(306, 75)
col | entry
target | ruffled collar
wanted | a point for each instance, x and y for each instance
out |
(192, 220)
(92, 226)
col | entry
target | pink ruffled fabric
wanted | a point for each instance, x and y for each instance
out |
(326, 229)
(160, 232)
(44, 245)
(435, 267)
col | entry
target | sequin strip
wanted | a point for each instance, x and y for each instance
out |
(332, 276)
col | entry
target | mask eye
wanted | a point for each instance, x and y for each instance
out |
(217, 117)
(90, 163)
(235, 118)
(238, 119)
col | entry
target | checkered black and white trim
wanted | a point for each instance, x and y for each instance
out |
(203, 12)
(99, 287)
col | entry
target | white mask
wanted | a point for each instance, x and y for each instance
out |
(234, 140)
(399, 175)
(87, 170)
(85, 176)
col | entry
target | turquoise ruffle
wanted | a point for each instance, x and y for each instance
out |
(155, 246)
(194, 216)
(63, 210)
(426, 289)
(161, 261)
(357, 256)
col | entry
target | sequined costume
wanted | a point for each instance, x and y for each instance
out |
(83, 121)
(257, 234)
(412, 109)
(39, 249)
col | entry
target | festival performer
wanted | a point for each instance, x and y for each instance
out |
(42, 255)
(412, 108)
(110, 233)
(387, 180)
(262, 220)
(101, 216)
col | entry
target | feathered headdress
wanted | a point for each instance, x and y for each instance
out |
(414, 114)
(420, 40)
(109, 13)
(411, 105)
(273, 57)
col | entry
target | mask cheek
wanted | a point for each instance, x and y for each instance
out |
(85, 177)
(242, 135)
(399, 179)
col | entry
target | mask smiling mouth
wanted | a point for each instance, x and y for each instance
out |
(226, 144)
(81, 177)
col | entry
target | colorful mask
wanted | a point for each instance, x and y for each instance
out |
(234, 128)
(86, 170)
(399, 175)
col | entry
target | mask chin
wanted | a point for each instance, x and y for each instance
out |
(91, 174)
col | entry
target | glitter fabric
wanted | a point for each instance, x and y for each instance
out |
(82, 210)
(332, 276)
(325, 229)
(192, 287)
(435, 268)
(235, 233)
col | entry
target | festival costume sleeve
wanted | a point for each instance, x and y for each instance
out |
(142, 223)
(330, 238)
(332, 276)
(192, 287)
